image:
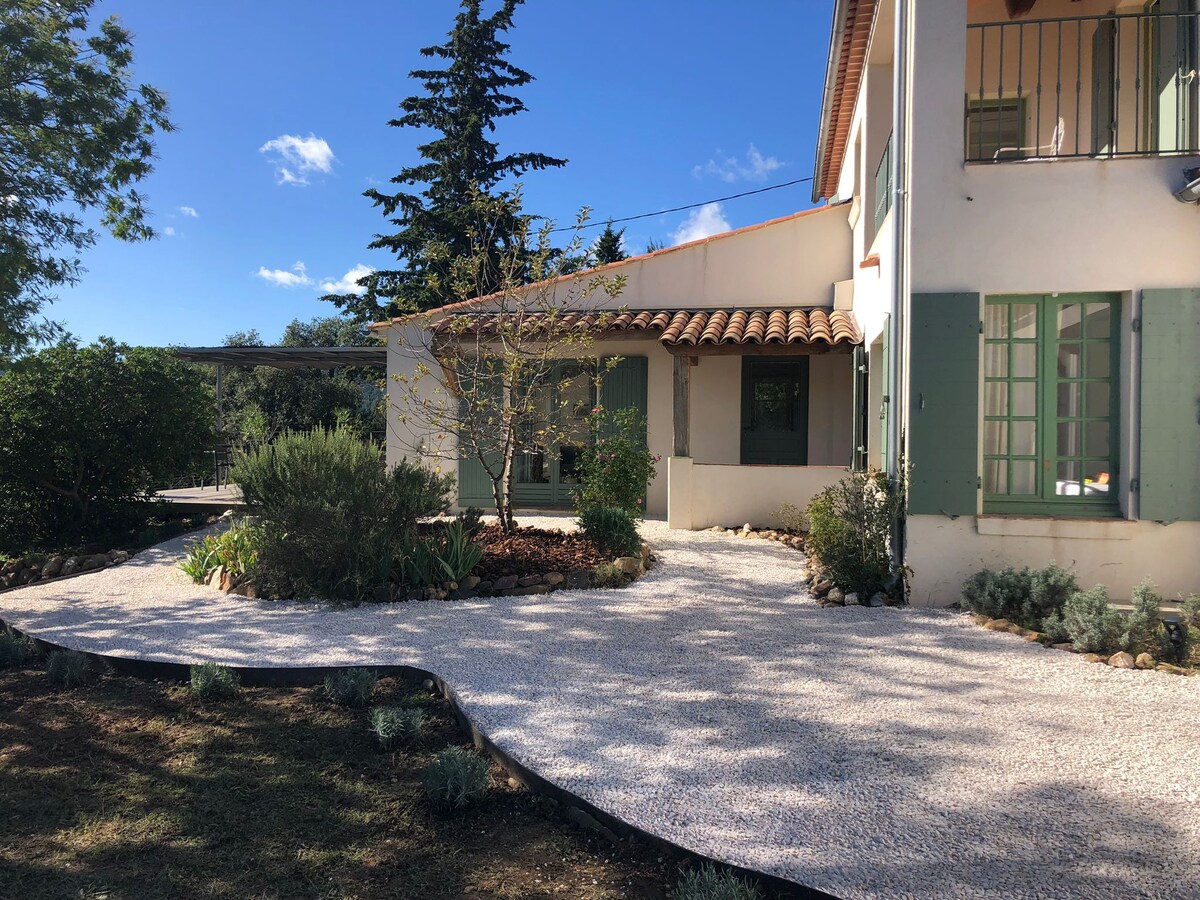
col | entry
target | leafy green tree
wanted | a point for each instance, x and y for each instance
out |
(87, 432)
(76, 136)
(260, 402)
(461, 105)
(608, 247)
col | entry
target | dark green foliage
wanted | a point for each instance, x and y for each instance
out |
(612, 529)
(472, 521)
(333, 516)
(15, 649)
(1025, 597)
(608, 247)
(455, 779)
(710, 883)
(616, 469)
(67, 668)
(461, 105)
(1049, 589)
(261, 402)
(236, 548)
(398, 726)
(1091, 622)
(1143, 628)
(214, 682)
(76, 136)
(86, 432)
(850, 525)
(447, 554)
(351, 687)
(1181, 652)
(1054, 628)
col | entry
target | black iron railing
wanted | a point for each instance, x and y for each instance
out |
(883, 185)
(1098, 86)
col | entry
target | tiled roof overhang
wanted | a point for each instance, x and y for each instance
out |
(843, 76)
(681, 330)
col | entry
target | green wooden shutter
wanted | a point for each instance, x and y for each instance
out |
(943, 428)
(1170, 397)
(858, 449)
(624, 385)
(1103, 87)
(887, 405)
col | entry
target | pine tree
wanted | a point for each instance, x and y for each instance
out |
(608, 247)
(461, 103)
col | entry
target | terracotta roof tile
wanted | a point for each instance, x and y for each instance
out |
(695, 328)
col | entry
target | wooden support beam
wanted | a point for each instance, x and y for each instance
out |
(681, 406)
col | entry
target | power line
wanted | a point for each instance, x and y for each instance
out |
(663, 212)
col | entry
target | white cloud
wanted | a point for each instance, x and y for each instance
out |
(295, 157)
(169, 231)
(701, 223)
(348, 283)
(189, 211)
(296, 276)
(753, 167)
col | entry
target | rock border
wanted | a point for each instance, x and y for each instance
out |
(1143, 662)
(27, 570)
(780, 536)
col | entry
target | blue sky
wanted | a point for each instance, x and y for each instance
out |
(655, 104)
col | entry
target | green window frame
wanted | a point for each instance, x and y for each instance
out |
(984, 130)
(1051, 404)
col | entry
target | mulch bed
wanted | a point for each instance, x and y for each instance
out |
(535, 551)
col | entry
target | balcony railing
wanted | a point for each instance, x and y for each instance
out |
(883, 185)
(1090, 86)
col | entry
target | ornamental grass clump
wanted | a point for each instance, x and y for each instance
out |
(351, 687)
(211, 681)
(334, 516)
(398, 726)
(710, 883)
(67, 668)
(616, 468)
(611, 529)
(850, 528)
(455, 779)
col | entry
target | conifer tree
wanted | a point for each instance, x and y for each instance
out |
(608, 247)
(461, 103)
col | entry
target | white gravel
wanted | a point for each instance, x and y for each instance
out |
(866, 752)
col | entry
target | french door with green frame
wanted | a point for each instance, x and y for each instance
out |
(1051, 404)
(547, 474)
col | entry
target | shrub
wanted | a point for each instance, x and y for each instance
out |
(607, 575)
(14, 648)
(214, 682)
(1049, 589)
(449, 554)
(997, 595)
(67, 668)
(351, 687)
(710, 883)
(792, 518)
(334, 518)
(616, 468)
(612, 529)
(1180, 650)
(1055, 628)
(235, 548)
(398, 726)
(471, 519)
(1092, 624)
(455, 778)
(88, 433)
(1143, 629)
(850, 525)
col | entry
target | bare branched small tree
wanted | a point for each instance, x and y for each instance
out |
(483, 381)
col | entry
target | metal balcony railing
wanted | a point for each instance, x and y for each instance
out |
(1083, 86)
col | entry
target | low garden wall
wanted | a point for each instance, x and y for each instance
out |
(700, 495)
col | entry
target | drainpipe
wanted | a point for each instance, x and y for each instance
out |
(898, 321)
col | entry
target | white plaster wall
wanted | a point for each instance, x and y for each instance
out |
(707, 495)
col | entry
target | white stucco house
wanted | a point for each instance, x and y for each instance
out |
(1001, 291)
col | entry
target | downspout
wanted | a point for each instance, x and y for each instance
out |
(898, 320)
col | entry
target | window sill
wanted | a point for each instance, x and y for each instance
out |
(1095, 529)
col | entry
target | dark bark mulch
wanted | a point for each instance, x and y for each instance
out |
(535, 551)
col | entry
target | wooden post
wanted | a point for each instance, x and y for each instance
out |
(681, 406)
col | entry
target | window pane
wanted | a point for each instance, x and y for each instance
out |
(1024, 477)
(995, 320)
(1069, 361)
(995, 398)
(1067, 484)
(1097, 480)
(1024, 398)
(1069, 322)
(994, 129)
(1024, 438)
(1099, 320)
(1025, 320)
(995, 438)
(1024, 360)
(995, 360)
(995, 476)
(1097, 439)
(1070, 400)
(1099, 360)
(1070, 439)
(1097, 399)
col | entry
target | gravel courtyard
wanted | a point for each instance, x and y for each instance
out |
(865, 752)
